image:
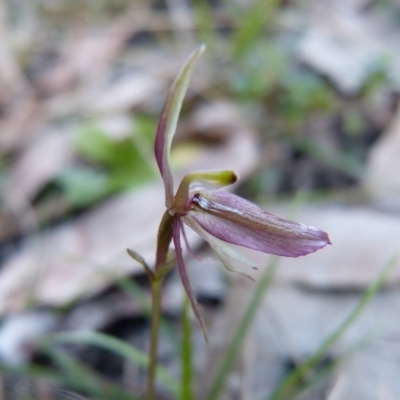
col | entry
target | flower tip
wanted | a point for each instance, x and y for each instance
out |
(235, 177)
(323, 236)
(328, 241)
(321, 240)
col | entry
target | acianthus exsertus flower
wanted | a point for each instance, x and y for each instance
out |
(219, 217)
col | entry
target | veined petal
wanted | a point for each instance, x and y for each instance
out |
(224, 251)
(168, 121)
(235, 220)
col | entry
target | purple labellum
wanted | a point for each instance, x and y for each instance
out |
(237, 221)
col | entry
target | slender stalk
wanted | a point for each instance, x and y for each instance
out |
(164, 238)
(162, 267)
(156, 286)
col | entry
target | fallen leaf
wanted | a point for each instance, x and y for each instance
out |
(381, 178)
(126, 93)
(346, 45)
(363, 241)
(39, 164)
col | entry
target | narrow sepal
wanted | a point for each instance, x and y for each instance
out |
(137, 257)
(185, 278)
(188, 246)
(168, 121)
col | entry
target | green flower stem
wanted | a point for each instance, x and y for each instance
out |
(156, 286)
(156, 278)
(164, 238)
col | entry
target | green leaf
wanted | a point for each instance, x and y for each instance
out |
(83, 186)
(127, 161)
(259, 15)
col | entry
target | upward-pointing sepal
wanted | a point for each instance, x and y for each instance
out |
(169, 119)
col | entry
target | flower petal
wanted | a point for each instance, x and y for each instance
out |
(168, 121)
(237, 221)
(176, 229)
(224, 251)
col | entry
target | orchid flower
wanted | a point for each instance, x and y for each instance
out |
(219, 217)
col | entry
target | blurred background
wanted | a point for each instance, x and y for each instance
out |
(300, 97)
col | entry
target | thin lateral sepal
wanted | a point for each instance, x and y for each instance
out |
(185, 281)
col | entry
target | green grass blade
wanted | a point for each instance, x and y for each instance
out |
(285, 389)
(242, 330)
(133, 290)
(259, 14)
(81, 378)
(74, 372)
(339, 159)
(119, 347)
(328, 369)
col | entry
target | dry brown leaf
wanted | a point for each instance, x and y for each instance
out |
(363, 241)
(125, 94)
(19, 334)
(382, 178)
(39, 164)
(116, 126)
(371, 375)
(223, 123)
(93, 51)
(214, 120)
(22, 123)
(343, 43)
(81, 256)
